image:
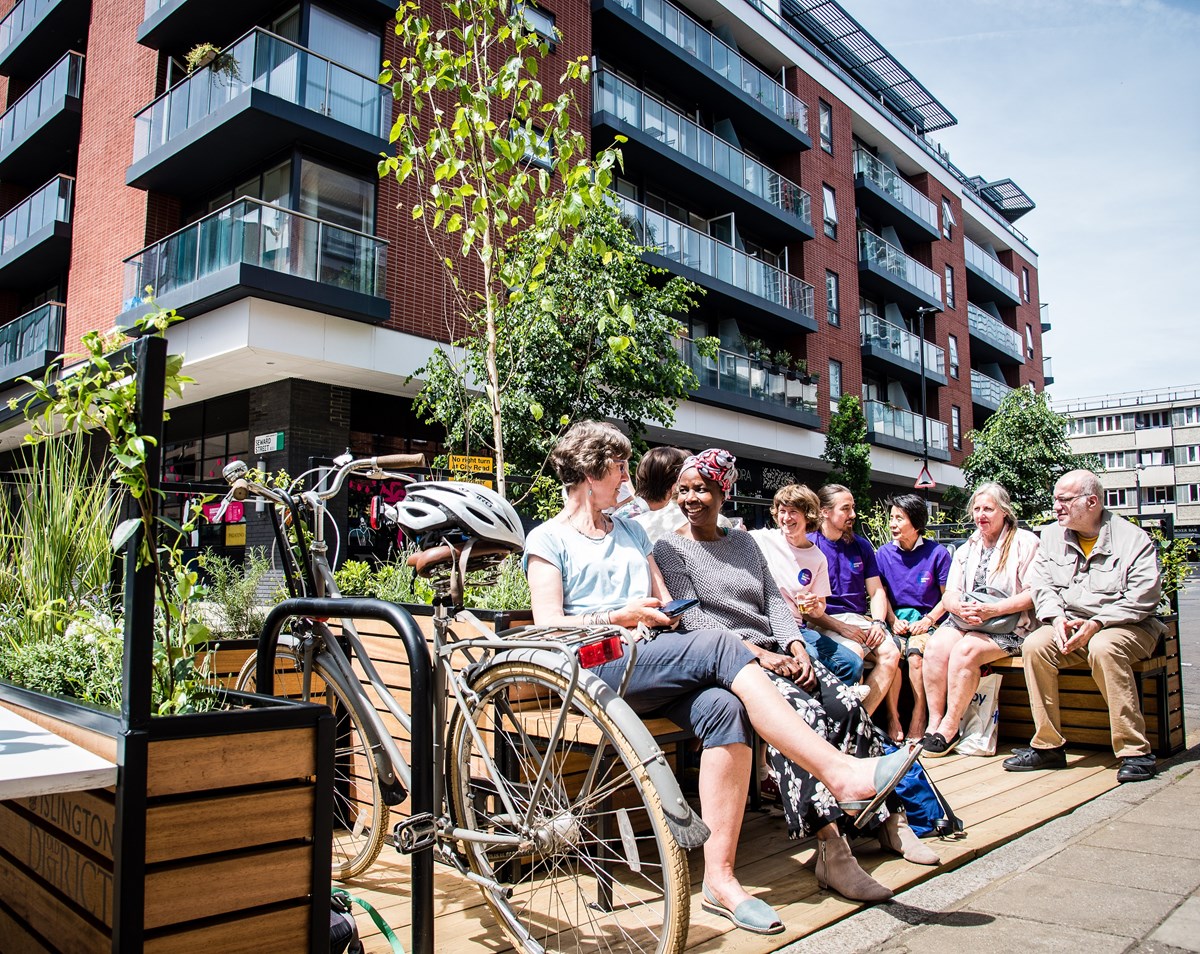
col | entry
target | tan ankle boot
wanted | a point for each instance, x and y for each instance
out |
(895, 835)
(837, 869)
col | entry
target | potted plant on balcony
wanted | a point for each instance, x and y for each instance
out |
(206, 54)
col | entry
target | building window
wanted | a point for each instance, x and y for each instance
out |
(956, 426)
(1117, 460)
(1029, 341)
(947, 218)
(953, 342)
(539, 147)
(835, 379)
(1108, 423)
(540, 21)
(830, 206)
(1146, 419)
(826, 112)
(1025, 283)
(1116, 498)
(1158, 495)
(1189, 493)
(1187, 415)
(1156, 457)
(1190, 454)
(833, 307)
(949, 286)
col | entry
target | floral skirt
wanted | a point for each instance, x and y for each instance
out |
(836, 714)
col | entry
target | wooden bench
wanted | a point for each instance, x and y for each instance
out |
(1083, 710)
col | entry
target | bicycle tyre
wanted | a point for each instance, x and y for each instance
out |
(580, 844)
(360, 816)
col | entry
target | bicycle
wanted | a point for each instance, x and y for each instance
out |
(552, 796)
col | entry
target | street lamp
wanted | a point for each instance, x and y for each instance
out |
(1137, 489)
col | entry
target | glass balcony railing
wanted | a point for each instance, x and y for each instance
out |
(693, 248)
(688, 35)
(994, 331)
(630, 105)
(978, 256)
(51, 203)
(738, 374)
(64, 78)
(904, 425)
(987, 390)
(873, 170)
(901, 342)
(31, 336)
(153, 6)
(263, 61)
(22, 18)
(895, 262)
(250, 232)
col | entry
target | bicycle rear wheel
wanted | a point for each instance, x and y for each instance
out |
(360, 816)
(598, 868)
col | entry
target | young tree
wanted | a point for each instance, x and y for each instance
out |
(478, 140)
(1024, 447)
(847, 450)
(595, 340)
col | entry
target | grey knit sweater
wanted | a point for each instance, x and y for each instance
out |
(736, 590)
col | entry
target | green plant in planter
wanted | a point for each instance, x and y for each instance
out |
(99, 396)
(1174, 564)
(234, 609)
(206, 54)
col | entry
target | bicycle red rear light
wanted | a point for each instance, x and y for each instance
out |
(601, 651)
(373, 512)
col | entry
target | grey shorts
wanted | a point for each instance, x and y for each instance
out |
(685, 677)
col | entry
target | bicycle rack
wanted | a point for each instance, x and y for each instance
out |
(421, 793)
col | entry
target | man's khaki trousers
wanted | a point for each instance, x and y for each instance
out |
(1110, 655)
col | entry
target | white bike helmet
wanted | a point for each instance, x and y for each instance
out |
(433, 509)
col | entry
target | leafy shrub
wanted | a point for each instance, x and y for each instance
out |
(84, 661)
(235, 610)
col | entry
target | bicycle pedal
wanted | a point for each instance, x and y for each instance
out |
(415, 834)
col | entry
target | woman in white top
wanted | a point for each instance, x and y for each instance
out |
(999, 554)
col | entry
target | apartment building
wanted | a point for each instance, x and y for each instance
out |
(778, 155)
(1149, 444)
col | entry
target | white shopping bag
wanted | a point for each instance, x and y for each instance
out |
(980, 725)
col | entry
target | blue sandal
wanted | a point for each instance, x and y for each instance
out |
(888, 772)
(754, 915)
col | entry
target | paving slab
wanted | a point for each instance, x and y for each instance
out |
(1172, 808)
(1156, 947)
(959, 934)
(1182, 928)
(1138, 869)
(1152, 839)
(1087, 905)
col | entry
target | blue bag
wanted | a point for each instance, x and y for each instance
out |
(928, 811)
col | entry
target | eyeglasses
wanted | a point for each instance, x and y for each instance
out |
(1067, 501)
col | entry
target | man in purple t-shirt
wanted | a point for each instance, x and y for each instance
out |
(857, 609)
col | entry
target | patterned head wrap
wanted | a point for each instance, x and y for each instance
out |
(716, 465)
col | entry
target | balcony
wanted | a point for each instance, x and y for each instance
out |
(178, 24)
(992, 339)
(737, 382)
(900, 430)
(1047, 371)
(986, 391)
(733, 86)
(739, 279)
(35, 32)
(270, 95)
(674, 149)
(28, 344)
(35, 236)
(886, 269)
(987, 279)
(41, 129)
(899, 350)
(885, 196)
(251, 249)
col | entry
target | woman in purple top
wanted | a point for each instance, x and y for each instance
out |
(914, 573)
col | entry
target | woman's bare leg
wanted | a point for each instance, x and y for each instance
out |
(724, 781)
(920, 716)
(967, 657)
(937, 661)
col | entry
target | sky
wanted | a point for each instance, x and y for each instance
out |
(1093, 108)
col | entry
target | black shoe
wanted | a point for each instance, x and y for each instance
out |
(1030, 760)
(937, 746)
(1137, 768)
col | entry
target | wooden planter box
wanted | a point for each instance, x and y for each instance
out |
(216, 837)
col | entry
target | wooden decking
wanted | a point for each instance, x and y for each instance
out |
(996, 806)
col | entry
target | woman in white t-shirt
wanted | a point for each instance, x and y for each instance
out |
(801, 571)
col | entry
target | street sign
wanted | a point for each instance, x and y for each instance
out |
(265, 443)
(471, 465)
(925, 479)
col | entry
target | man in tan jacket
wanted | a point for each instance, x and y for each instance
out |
(1096, 586)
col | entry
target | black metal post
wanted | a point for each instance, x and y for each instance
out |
(921, 311)
(421, 681)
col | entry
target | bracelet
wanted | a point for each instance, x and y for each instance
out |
(880, 622)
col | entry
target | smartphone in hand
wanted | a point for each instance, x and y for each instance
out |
(677, 608)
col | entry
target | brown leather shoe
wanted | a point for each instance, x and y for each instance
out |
(896, 835)
(837, 869)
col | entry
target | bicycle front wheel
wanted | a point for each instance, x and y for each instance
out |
(596, 867)
(360, 816)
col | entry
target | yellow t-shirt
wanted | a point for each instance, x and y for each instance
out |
(1086, 544)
